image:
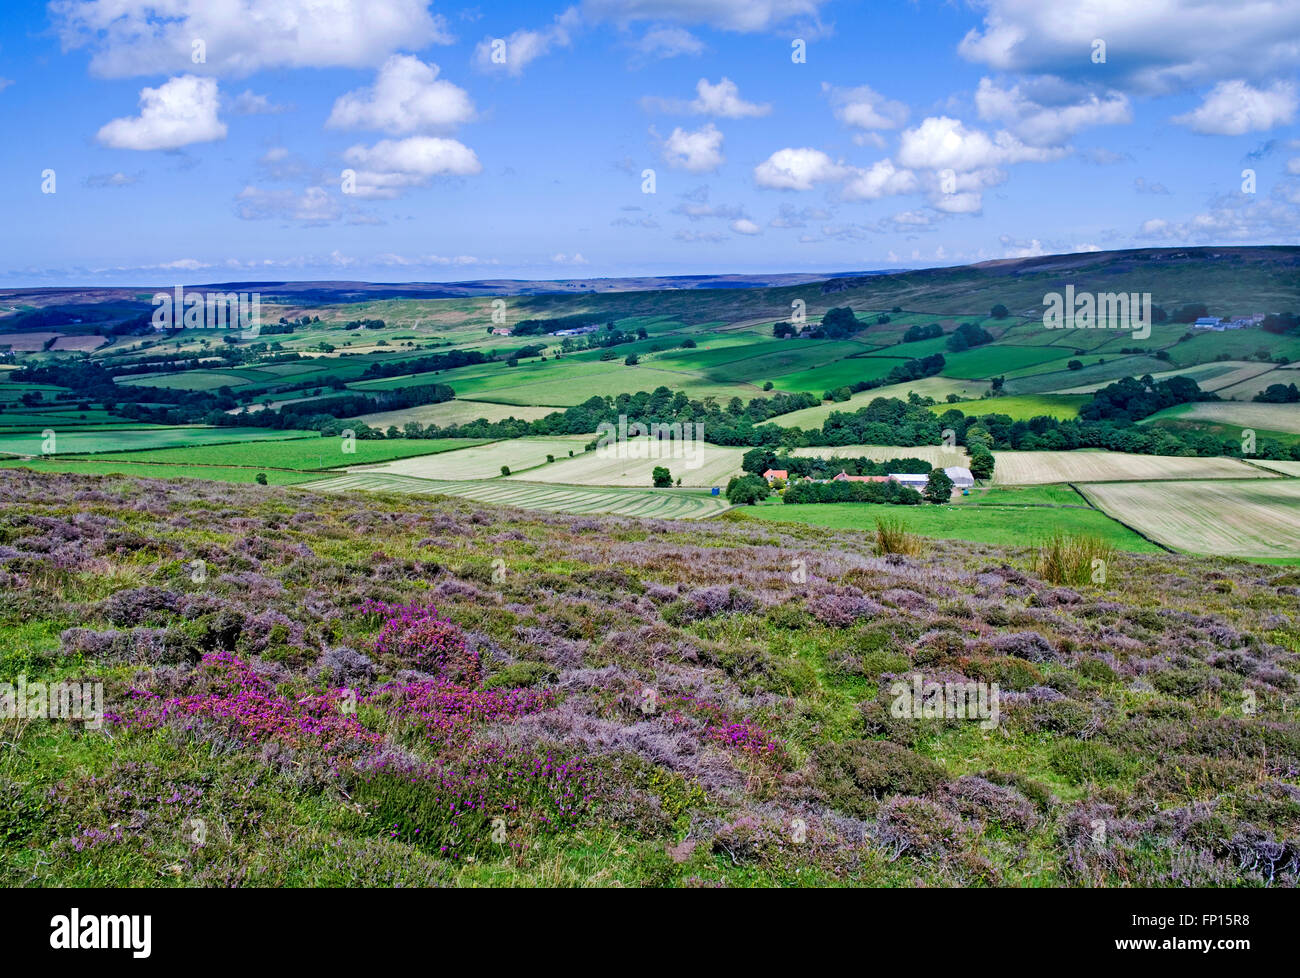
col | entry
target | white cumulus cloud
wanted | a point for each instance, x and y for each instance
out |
(721, 101)
(240, 37)
(696, 151)
(797, 169)
(407, 96)
(177, 113)
(512, 54)
(865, 108)
(392, 166)
(1235, 107)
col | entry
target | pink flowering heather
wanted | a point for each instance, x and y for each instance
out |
(447, 711)
(249, 710)
(743, 735)
(416, 635)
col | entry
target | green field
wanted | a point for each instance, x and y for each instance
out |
(1059, 406)
(303, 453)
(1018, 526)
(91, 441)
(212, 473)
(674, 504)
(841, 373)
(994, 360)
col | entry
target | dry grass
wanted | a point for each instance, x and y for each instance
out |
(892, 538)
(1065, 558)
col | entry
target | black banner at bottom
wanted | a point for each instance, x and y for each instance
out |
(144, 929)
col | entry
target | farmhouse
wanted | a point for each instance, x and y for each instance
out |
(772, 474)
(913, 480)
(844, 477)
(960, 476)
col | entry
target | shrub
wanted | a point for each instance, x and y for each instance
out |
(852, 773)
(416, 636)
(917, 826)
(892, 538)
(521, 674)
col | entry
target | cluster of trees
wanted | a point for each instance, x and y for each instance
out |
(1279, 394)
(1281, 322)
(361, 324)
(418, 365)
(968, 335)
(837, 323)
(803, 493)
(908, 370)
(918, 332)
(1131, 399)
(540, 327)
(759, 460)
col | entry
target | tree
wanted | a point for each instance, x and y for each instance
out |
(747, 490)
(261, 478)
(1000, 311)
(758, 460)
(631, 360)
(981, 463)
(1075, 364)
(938, 488)
(662, 477)
(505, 470)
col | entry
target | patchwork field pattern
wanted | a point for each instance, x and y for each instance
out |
(1032, 468)
(118, 440)
(715, 466)
(301, 453)
(1268, 417)
(936, 455)
(650, 503)
(1231, 518)
(485, 461)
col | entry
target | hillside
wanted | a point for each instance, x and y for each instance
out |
(629, 702)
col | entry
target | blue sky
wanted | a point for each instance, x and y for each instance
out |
(216, 143)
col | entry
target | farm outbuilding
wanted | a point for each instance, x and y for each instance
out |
(960, 476)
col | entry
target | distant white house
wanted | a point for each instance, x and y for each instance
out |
(1208, 322)
(913, 480)
(960, 476)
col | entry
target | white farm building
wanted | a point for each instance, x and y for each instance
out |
(960, 476)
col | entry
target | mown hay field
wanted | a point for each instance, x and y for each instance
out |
(1228, 518)
(1269, 417)
(1032, 468)
(650, 503)
(484, 461)
(1277, 465)
(455, 412)
(633, 463)
(938, 455)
